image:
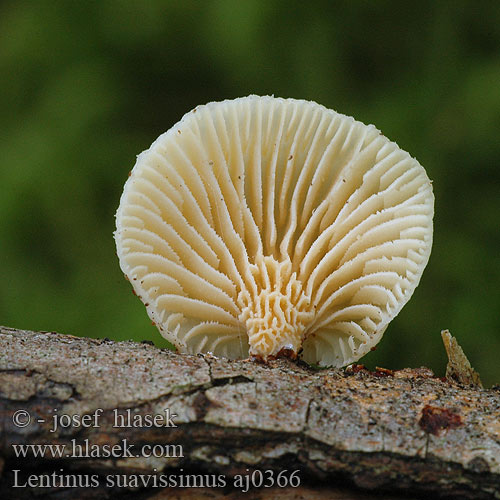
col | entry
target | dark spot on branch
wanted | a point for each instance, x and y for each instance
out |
(434, 419)
(355, 368)
(478, 465)
(383, 372)
(239, 379)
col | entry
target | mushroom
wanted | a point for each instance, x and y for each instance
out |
(274, 227)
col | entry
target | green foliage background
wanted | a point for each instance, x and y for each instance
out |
(85, 86)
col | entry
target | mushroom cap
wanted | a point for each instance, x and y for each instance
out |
(270, 227)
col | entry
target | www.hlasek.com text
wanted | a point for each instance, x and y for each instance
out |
(86, 449)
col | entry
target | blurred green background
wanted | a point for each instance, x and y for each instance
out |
(86, 86)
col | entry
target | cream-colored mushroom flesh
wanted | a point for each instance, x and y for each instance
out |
(263, 226)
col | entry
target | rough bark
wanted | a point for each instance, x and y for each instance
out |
(348, 432)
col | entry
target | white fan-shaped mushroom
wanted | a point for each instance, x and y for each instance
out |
(270, 227)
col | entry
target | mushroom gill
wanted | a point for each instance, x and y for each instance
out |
(265, 226)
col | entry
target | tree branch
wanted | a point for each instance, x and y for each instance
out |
(398, 431)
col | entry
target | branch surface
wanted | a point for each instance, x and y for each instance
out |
(397, 431)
